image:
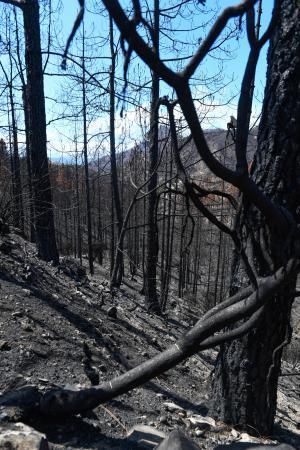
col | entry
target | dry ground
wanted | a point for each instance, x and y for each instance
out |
(56, 331)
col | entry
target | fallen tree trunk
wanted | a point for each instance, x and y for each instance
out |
(247, 304)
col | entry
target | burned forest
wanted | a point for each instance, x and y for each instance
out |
(149, 224)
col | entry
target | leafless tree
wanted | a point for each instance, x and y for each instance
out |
(266, 233)
(44, 221)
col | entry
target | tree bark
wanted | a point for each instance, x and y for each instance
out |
(44, 220)
(247, 370)
(150, 284)
(28, 164)
(86, 163)
(78, 206)
(30, 216)
(117, 271)
(18, 213)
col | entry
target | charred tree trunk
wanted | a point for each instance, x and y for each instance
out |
(151, 299)
(79, 233)
(17, 201)
(86, 164)
(247, 370)
(43, 207)
(99, 224)
(117, 271)
(18, 213)
(30, 217)
(171, 211)
(28, 164)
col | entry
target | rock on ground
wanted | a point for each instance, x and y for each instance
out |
(21, 437)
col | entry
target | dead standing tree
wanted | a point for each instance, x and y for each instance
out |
(42, 196)
(250, 308)
(247, 303)
(269, 201)
(247, 370)
(150, 274)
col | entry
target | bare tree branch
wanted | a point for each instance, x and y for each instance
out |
(18, 3)
(246, 303)
(214, 33)
(250, 25)
(247, 88)
(72, 402)
(266, 36)
(205, 192)
(190, 187)
(230, 335)
(128, 31)
(76, 25)
(240, 179)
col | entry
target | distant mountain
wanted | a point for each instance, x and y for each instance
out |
(217, 142)
(221, 146)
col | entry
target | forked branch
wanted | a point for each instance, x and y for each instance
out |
(202, 335)
(180, 82)
(207, 333)
(18, 3)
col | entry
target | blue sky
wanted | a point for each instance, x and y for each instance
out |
(233, 67)
(238, 63)
(60, 133)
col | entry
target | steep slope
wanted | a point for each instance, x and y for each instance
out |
(58, 328)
